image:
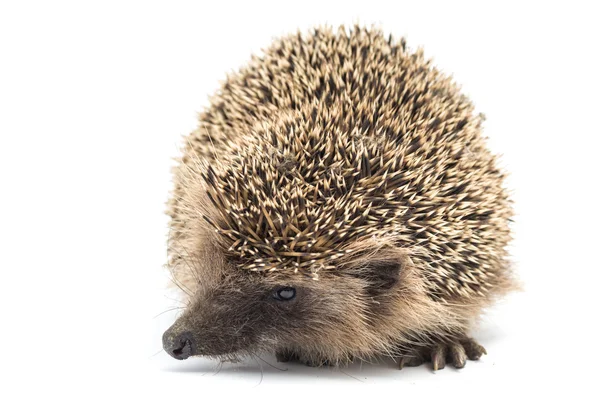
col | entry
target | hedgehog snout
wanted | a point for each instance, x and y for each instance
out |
(179, 345)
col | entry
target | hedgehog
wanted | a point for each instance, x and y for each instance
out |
(337, 202)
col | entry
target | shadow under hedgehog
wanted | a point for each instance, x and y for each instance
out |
(337, 202)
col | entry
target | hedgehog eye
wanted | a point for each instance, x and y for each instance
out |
(285, 293)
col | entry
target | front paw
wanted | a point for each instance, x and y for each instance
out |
(455, 353)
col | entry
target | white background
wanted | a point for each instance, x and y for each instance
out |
(94, 100)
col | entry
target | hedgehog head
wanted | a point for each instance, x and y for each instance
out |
(235, 312)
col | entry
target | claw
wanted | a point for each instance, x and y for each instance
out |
(458, 356)
(410, 361)
(473, 349)
(438, 357)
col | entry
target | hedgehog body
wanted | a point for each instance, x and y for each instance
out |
(345, 172)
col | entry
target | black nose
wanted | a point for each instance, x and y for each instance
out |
(179, 346)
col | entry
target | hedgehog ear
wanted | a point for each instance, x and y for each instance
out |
(381, 275)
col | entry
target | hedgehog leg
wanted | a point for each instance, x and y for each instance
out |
(455, 353)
